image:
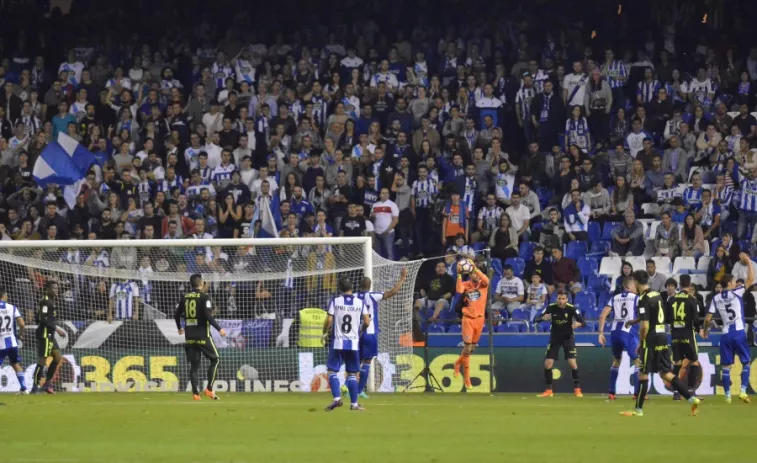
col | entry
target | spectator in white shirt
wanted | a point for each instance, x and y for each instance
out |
(256, 185)
(520, 217)
(386, 216)
(741, 270)
(510, 293)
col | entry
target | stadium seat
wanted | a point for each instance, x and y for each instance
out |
(518, 264)
(699, 279)
(588, 328)
(436, 328)
(684, 263)
(593, 313)
(602, 298)
(497, 266)
(585, 301)
(455, 329)
(520, 314)
(598, 283)
(553, 297)
(610, 266)
(600, 248)
(703, 262)
(495, 281)
(594, 231)
(448, 316)
(637, 262)
(526, 250)
(663, 264)
(588, 266)
(508, 328)
(543, 327)
(479, 246)
(745, 245)
(608, 228)
(576, 249)
(652, 209)
(652, 229)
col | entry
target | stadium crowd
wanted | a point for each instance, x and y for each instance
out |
(564, 148)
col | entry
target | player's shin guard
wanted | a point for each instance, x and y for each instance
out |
(334, 385)
(21, 379)
(38, 374)
(727, 382)
(194, 377)
(51, 372)
(643, 389)
(576, 382)
(352, 387)
(681, 388)
(466, 367)
(613, 379)
(212, 373)
(694, 374)
(745, 377)
(548, 378)
(365, 371)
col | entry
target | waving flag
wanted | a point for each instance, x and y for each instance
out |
(269, 214)
(64, 162)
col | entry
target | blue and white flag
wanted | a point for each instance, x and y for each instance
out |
(64, 162)
(269, 214)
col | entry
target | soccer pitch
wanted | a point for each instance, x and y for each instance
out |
(166, 427)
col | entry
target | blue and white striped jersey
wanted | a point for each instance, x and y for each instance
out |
(348, 311)
(192, 156)
(220, 73)
(692, 197)
(624, 309)
(424, 192)
(123, 295)
(320, 110)
(469, 194)
(166, 185)
(647, 90)
(724, 197)
(666, 195)
(748, 200)
(222, 174)
(490, 217)
(8, 315)
(613, 70)
(196, 190)
(371, 300)
(523, 99)
(730, 305)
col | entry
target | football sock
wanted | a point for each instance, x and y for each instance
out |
(745, 377)
(636, 381)
(613, 379)
(682, 389)
(466, 367)
(352, 387)
(21, 379)
(194, 377)
(212, 372)
(38, 374)
(365, 371)
(727, 382)
(548, 377)
(576, 382)
(334, 385)
(694, 373)
(676, 370)
(643, 388)
(51, 372)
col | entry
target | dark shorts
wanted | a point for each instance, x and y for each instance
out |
(655, 359)
(196, 349)
(46, 346)
(685, 347)
(568, 346)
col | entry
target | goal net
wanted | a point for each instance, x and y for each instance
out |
(117, 297)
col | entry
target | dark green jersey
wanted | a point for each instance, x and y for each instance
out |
(197, 311)
(46, 318)
(683, 315)
(562, 320)
(651, 309)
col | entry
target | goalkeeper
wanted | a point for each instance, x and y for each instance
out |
(196, 309)
(473, 291)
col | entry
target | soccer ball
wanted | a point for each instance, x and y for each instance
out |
(465, 267)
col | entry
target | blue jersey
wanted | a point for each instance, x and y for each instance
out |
(123, 296)
(613, 71)
(8, 315)
(348, 312)
(692, 197)
(748, 200)
(371, 300)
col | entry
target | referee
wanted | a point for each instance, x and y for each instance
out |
(196, 309)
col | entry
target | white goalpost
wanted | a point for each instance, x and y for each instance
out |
(117, 299)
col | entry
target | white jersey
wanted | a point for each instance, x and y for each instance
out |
(624, 309)
(123, 295)
(348, 311)
(730, 306)
(371, 300)
(8, 315)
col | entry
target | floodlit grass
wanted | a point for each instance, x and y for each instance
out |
(166, 427)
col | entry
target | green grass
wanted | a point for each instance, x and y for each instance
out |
(417, 428)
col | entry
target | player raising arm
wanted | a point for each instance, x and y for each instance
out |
(474, 292)
(11, 322)
(622, 337)
(730, 305)
(47, 346)
(565, 318)
(197, 311)
(654, 348)
(346, 312)
(369, 338)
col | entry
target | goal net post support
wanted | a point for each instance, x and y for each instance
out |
(117, 298)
